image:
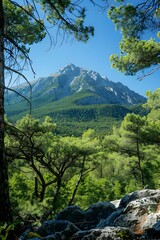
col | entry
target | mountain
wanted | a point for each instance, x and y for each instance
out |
(76, 99)
(72, 80)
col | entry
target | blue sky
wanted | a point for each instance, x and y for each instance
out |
(93, 55)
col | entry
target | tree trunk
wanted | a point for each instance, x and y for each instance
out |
(5, 209)
(40, 194)
(77, 183)
(56, 192)
(139, 164)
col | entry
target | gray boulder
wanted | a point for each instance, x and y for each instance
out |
(61, 229)
(135, 216)
(89, 218)
(108, 233)
(141, 210)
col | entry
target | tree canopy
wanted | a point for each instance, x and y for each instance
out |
(139, 25)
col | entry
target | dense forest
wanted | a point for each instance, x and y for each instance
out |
(48, 172)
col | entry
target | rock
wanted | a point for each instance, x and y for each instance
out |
(141, 210)
(157, 226)
(135, 216)
(151, 234)
(116, 203)
(110, 219)
(52, 227)
(108, 233)
(145, 193)
(99, 210)
(89, 218)
(25, 234)
(72, 213)
(51, 237)
(117, 233)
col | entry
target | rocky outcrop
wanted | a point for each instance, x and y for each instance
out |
(135, 216)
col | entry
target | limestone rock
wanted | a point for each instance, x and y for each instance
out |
(135, 216)
(141, 210)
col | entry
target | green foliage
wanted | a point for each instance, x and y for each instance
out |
(133, 20)
(33, 235)
(153, 101)
(20, 25)
(5, 229)
(91, 191)
(49, 161)
(69, 17)
(123, 234)
(136, 55)
(24, 26)
(137, 142)
(74, 119)
(51, 172)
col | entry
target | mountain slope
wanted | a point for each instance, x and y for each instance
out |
(76, 99)
(72, 80)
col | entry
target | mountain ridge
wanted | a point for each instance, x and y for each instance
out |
(71, 80)
(76, 99)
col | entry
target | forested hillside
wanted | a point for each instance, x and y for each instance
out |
(74, 114)
(74, 119)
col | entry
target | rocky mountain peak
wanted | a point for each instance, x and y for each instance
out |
(72, 80)
(94, 75)
(68, 69)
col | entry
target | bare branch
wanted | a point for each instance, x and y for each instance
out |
(148, 74)
(22, 75)
(11, 89)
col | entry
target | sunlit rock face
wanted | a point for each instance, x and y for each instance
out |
(135, 216)
(71, 80)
